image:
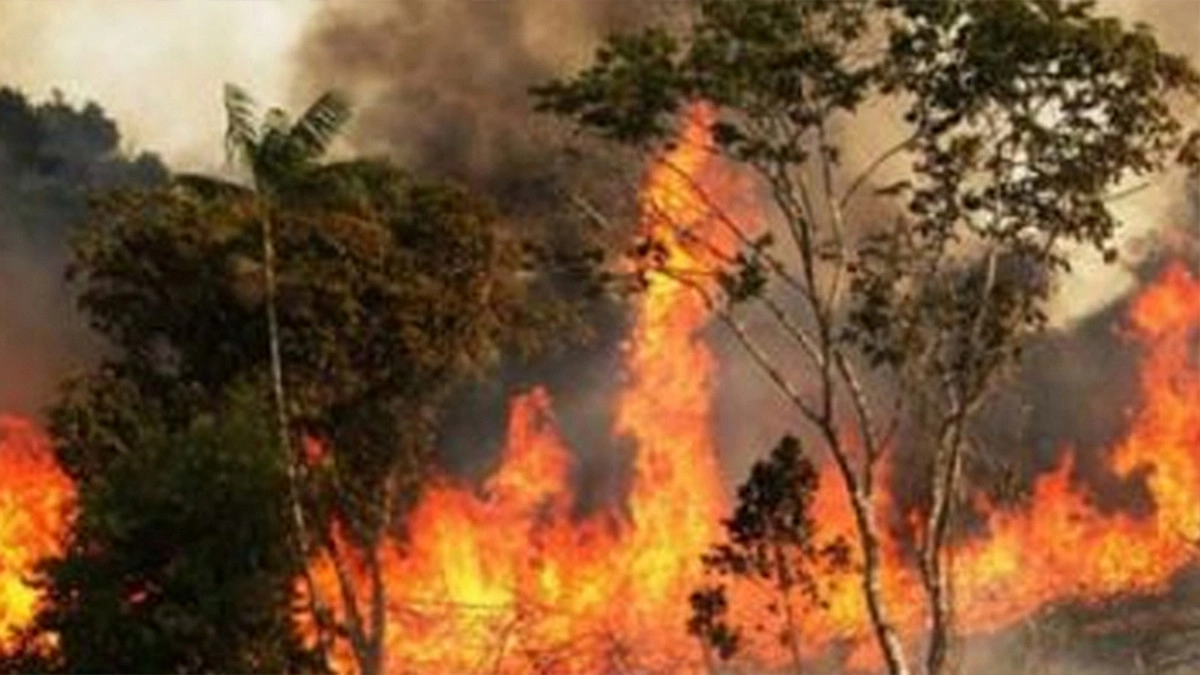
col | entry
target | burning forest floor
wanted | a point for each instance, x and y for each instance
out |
(1059, 585)
(507, 577)
(1151, 634)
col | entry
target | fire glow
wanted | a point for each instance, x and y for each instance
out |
(35, 497)
(506, 578)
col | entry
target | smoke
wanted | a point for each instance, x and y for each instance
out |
(157, 67)
(51, 156)
(442, 88)
(1158, 205)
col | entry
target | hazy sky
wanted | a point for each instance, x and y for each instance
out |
(157, 66)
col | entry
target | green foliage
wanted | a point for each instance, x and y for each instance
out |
(390, 291)
(1023, 115)
(628, 95)
(178, 560)
(760, 57)
(278, 149)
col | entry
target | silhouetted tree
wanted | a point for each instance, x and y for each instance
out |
(52, 153)
(771, 538)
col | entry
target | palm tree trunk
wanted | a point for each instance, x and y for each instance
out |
(283, 429)
(281, 415)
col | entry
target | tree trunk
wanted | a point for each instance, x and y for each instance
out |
(283, 429)
(376, 655)
(885, 632)
(936, 579)
(281, 415)
(784, 581)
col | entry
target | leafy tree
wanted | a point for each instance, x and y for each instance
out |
(277, 153)
(390, 291)
(178, 560)
(771, 538)
(906, 283)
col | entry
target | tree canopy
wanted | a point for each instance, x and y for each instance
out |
(389, 292)
(179, 559)
(390, 288)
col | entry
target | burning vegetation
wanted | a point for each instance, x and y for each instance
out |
(505, 577)
(294, 340)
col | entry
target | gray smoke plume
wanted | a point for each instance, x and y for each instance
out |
(442, 88)
(51, 155)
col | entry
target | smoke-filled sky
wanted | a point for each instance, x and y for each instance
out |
(438, 80)
(156, 67)
(439, 83)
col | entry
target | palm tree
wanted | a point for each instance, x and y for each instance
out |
(276, 153)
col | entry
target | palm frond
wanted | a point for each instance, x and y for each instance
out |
(276, 121)
(275, 160)
(241, 133)
(315, 130)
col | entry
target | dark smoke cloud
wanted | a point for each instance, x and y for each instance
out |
(51, 156)
(442, 88)
(442, 85)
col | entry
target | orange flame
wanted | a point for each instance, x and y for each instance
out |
(34, 500)
(507, 578)
(1061, 547)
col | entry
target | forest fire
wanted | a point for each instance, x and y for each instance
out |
(507, 578)
(34, 500)
(503, 579)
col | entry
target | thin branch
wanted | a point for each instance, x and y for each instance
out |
(761, 359)
(591, 211)
(794, 330)
(355, 632)
(874, 166)
(716, 210)
(1127, 192)
(861, 403)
